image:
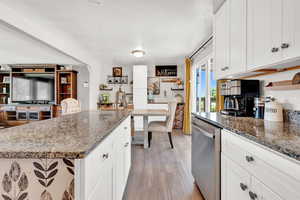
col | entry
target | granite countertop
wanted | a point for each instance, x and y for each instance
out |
(279, 136)
(70, 136)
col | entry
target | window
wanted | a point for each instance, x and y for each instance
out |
(205, 86)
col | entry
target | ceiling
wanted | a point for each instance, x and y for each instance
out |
(166, 29)
(19, 48)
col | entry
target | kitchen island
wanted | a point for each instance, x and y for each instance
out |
(73, 157)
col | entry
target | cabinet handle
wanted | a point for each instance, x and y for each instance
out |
(243, 186)
(249, 158)
(274, 49)
(105, 156)
(225, 68)
(125, 128)
(126, 145)
(252, 195)
(285, 45)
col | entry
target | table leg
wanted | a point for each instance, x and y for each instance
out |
(145, 118)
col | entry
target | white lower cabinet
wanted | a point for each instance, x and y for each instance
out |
(251, 171)
(235, 181)
(238, 184)
(103, 173)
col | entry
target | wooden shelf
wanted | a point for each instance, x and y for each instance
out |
(177, 89)
(108, 89)
(284, 87)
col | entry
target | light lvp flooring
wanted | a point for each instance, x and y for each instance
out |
(162, 173)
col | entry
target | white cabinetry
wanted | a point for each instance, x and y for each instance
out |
(291, 29)
(104, 172)
(221, 41)
(272, 33)
(264, 32)
(235, 181)
(266, 175)
(230, 38)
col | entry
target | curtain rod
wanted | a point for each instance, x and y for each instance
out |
(201, 47)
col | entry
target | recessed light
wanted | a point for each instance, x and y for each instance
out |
(138, 53)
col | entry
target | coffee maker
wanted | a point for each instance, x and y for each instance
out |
(239, 97)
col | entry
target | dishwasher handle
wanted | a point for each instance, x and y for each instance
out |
(207, 134)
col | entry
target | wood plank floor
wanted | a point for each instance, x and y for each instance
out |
(162, 173)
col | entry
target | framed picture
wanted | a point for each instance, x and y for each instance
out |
(6, 79)
(154, 85)
(117, 71)
(166, 70)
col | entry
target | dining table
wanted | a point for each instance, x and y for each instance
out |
(141, 137)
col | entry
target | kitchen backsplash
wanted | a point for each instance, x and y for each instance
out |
(288, 98)
(291, 116)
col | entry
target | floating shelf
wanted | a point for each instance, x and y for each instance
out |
(284, 87)
(107, 89)
(177, 89)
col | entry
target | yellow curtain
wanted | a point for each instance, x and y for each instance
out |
(187, 107)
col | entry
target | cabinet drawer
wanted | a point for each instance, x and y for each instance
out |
(277, 172)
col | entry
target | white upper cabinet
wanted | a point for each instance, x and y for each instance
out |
(221, 41)
(230, 38)
(256, 34)
(238, 37)
(263, 33)
(291, 29)
(273, 34)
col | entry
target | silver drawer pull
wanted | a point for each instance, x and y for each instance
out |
(243, 186)
(126, 145)
(274, 49)
(285, 45)
(105, 156)
(249, 158)
(125, 128)
(252, 195)
(225, 68)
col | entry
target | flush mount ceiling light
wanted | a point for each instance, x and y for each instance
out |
(138, 53)
(96, 2)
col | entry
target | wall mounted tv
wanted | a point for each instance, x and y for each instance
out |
(33, 88)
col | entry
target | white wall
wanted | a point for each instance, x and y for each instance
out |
(289, 98)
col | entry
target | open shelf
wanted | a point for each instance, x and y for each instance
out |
(284, 87)
(177, 89)
(107, 89)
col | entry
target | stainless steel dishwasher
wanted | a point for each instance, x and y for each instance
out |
(206, 158)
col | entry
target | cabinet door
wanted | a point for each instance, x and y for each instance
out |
(221, 41)
(291, 29)
(238, 39)
(118, 167)
(260, 192)
(127, 160)
(264, 32)
(104, 187)
(235, 181)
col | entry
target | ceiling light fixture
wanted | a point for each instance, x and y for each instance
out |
(138, 53)
(97, 2)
